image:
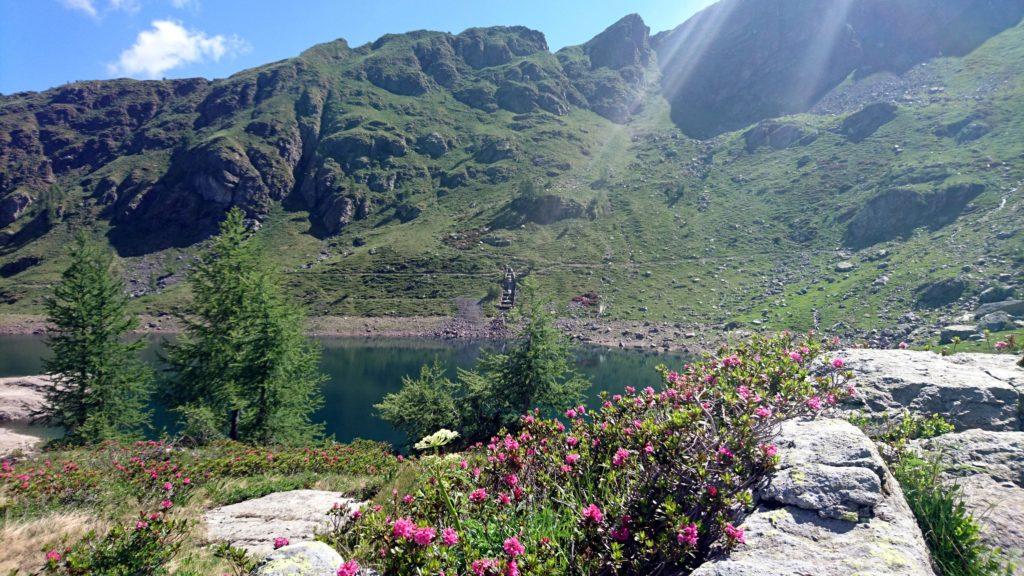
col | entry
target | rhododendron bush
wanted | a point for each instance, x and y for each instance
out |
(653, 481)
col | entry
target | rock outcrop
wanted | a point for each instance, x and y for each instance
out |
(832, 508)
(896, 213)
(777, 135)
(21, 398)
(862, 124)
(980, 391)
(253, 524)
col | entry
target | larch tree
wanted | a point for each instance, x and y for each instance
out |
(243, 368)
(101, 387)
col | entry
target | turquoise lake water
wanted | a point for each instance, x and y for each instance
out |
(361, 371)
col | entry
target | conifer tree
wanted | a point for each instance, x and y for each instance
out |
(243, 368)
(101, 387)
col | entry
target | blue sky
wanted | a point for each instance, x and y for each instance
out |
(45, 43)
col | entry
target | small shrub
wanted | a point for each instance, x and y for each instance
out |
(950, 531)
(651, 481)
(894, 433)
(952, 534)
(140, 549)
(536, 371)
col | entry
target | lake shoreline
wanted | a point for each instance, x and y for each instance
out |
(643, 336)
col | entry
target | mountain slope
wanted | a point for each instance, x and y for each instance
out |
(388, 178)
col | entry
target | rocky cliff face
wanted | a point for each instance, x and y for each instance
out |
(167, 158)
(740, 61)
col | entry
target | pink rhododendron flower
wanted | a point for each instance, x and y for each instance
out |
(1001, 345)
(482, 566)
(166, 504)
(770, 450)
(280, 542)
(141, 525)
(796, 357)
(403, 528)
(904, 345)
(593, 513)
(620, 457)
(478, 495)
(620, 534)
(838, 363)
(350, 568)
(53, 556)
(763, 412)
(423, 536)
(572, 458)
(814, 403)
(688, 535)
(735, 534)
(449, 536)
(513, 547)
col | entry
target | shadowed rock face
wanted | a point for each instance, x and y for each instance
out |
(741, 61)
(897, 212)
(625, 43)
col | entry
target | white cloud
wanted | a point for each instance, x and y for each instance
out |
(169, 45)
(130, 6)
(86, 6)
(93, 8)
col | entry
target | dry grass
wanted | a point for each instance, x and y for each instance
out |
(24, 543)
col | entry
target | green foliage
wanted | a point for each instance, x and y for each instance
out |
(141, 549)
(424, 404)
(106, 477)
(653, 482)
(952, 534)
(243, 367)
(101, 386)
(536, 371)
(894, 433)
(240, 561)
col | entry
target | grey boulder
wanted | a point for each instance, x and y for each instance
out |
(253, 524)
(971, 390)
(1012, 307)
(794, 531)
(996, 322)
(302, 559)
(961, 331)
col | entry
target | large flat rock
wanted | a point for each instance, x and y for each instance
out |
(989, 466)
(253, 524)
(972, 390)
(21, 397)
(832, 509)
